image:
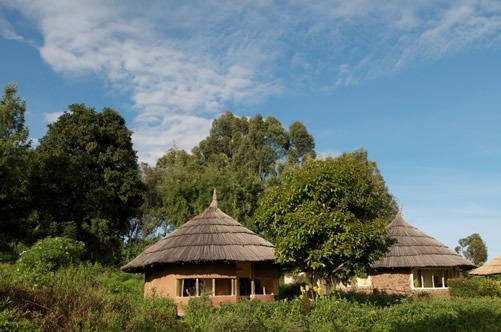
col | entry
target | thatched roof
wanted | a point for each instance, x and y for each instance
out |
(417, 249)
(489, 268)
(210, 236)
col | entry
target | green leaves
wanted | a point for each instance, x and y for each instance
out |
(48, 255)
(240, 157)
(14, 170)
(327, 213)
(87, 172)
(473, 248)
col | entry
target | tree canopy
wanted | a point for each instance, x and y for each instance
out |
(473, 248)
(87, 182)
(240, 157)
(14, 169)
(328, 216)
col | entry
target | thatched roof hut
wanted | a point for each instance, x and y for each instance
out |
(490, 268)
(210, 236)
(212, 253)
(417, 262)
(414, 248)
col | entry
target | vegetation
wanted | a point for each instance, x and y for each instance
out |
(473, 248)
(78, 204)
(474, 287)
(91, 297)
(14, 172)
(328, 216)
(240, 157)
(87, 182)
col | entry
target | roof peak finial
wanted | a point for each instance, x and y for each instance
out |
(214, 199)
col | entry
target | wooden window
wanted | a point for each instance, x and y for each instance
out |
(193, 286)
(431, 278)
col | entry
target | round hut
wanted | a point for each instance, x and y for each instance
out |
(416, 262)
(490, 268)
(210, 254)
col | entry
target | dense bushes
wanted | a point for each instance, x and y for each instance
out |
(474, 287)
(90, 297)
(83, 297)
(46, 256)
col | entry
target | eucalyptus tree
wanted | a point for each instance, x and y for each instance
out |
(240, 157)
(473, 248)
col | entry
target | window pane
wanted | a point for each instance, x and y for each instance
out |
(190, 287)
(417, 279)
(258, 287)
(427, 278)
(244, 286)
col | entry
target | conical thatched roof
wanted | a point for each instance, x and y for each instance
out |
(417, 249)
(489, 268)
(210, 236)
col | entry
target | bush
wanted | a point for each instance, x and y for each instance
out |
(474, 287)
(46, 256)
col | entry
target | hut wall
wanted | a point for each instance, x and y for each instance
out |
(393, 281)
(163, 281)
(398, 281)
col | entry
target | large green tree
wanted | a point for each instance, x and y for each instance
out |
(87, 185)
(473, 248)
(328, 216)
(14, 167)
(240, 158)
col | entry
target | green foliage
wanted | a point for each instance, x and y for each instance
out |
(240, 158)
(87, 174)
(329, 214)
(91, 297)
(473, 248)
(474, 287)
(48, 255)
(83, 298)
(14, 174)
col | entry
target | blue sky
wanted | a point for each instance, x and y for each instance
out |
(416, 83)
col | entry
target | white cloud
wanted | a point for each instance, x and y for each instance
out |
(51, 117)
(185, 62)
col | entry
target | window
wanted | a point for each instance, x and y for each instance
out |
(188, 287)
(192, 286)
(432, 278)
(244, 287)
(363, 282)
(223, 287)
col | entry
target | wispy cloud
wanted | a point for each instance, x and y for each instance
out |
(51, 117)
(184, 62)
(7, 31)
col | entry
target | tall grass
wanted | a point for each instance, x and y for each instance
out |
(92, 298)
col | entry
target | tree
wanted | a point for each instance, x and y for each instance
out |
(328, 216)
(14, 170)
(473, 248)
(87, 184)
(240, 158)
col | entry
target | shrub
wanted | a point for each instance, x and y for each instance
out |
(474, 287)
(46, 256)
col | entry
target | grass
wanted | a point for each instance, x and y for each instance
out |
(89, 297)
